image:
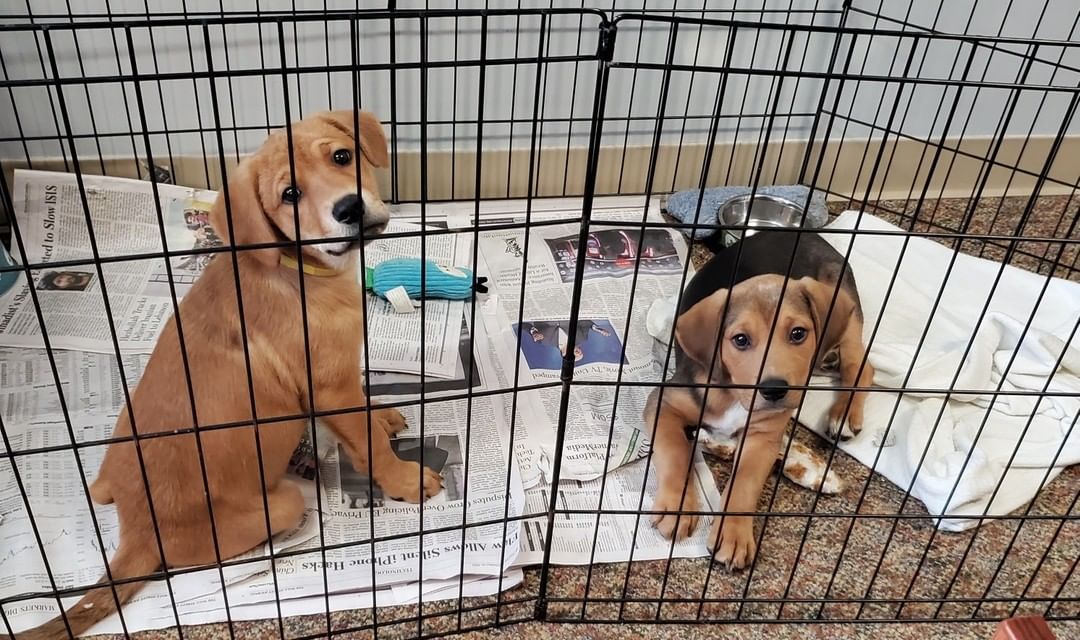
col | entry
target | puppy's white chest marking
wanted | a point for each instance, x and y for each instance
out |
(728, 423)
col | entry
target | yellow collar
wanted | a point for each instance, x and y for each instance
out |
(309, 268)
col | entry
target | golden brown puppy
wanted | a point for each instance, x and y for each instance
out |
(725, 335)
(261, 205)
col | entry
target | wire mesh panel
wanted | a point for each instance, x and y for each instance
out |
(123, 108)
(568, 154)
(794, 104)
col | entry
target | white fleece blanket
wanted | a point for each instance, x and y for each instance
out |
(1032, 428)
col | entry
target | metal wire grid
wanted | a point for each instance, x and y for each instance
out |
(838, 71)
(607, 61)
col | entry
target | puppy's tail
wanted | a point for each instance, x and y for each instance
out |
(133, 559)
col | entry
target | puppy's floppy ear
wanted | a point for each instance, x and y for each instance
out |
(698, 329)
(371, 135)
(250, 225)
(828, 327)
(373, 140)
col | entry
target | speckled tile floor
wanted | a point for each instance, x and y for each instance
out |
(808, 558)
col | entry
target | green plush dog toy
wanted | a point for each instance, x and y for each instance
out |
(399, 281)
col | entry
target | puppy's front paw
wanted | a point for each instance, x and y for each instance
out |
(855, 413)
(406, 483)
(675, 526)
(733, 542)
(392, 420)
(845, 423)
(433, 482)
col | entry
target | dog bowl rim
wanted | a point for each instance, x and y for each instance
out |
(811, 219)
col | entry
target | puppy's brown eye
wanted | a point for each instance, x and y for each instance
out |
(342, 157)
(741, 341)
(798, 335)
(291, 195)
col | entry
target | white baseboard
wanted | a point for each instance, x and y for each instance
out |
(903, 172)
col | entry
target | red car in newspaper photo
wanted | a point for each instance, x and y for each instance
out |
(615, 252)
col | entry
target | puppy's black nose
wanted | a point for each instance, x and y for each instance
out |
(349, 210)
(773, 389)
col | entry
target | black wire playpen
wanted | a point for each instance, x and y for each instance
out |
(575, 156)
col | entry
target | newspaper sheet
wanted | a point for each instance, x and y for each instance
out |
(208, 610)
(349, 498)
(89, 382)
(91, 388)
(67, 528)
(152, 607)
(533, 281)
(585, 538)
(50, 212)
(532, 431)
(456, 431)
(52, 219)
(478, 351)
(606, 294)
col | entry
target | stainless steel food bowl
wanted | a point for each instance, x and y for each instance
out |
(762, 211)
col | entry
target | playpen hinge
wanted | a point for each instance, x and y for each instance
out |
(605, 48)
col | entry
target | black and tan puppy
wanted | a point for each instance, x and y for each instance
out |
(726, 322)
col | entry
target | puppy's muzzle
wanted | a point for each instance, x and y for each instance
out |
(349, 210)
(773, 389)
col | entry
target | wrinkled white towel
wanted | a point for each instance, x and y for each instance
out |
(920, 276)
(1049, 421)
